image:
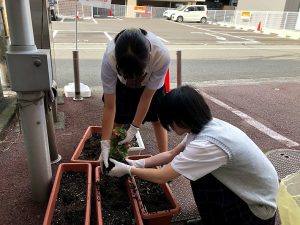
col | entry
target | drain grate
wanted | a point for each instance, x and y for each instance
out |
(285, 161)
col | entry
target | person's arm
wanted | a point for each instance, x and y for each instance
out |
(164, 157)
(109, 112)
(143, 107)
(160, 176)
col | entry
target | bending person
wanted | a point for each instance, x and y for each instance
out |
(232, 180)
(133, 71)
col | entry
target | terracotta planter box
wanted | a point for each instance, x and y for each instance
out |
(159, 217)
(137, 215)
(98, 129)
(64, 168)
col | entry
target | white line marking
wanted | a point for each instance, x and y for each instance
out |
(95, 21)
(108, 36)
(215, 32)
(254, 123)
(163, 39)
(54, 33)
(217, 37)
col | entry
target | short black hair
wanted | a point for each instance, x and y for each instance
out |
(186, 107)
(132, 50)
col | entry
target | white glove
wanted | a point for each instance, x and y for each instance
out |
(140, 163)
(130, 134)
(105, 147)
(120, 169)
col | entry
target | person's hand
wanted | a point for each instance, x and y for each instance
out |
(130, 134)
(105, 147)
(120, 169)
(140, 163)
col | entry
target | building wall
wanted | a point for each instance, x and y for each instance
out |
(292, 6)
(267, 5)
(262, 5)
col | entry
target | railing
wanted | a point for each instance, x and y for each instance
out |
(267, 19)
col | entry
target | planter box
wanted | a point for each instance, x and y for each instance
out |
(98, 129)
(63, 168)
(137, 215)
(159, 217)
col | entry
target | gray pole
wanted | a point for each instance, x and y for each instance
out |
(178, 53)
(76, 64)
(31, 104)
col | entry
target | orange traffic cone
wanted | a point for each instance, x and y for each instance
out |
(259, 26)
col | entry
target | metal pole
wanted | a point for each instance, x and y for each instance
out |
(178, 53)
(76, 18)
(54, 156)
(76, 66)
(76, 76)
(31, 104)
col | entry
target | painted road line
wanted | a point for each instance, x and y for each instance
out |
(95, 21)
(108, 36)
(164, 40)
(217, 37)
(259, 126)
(54, 33)
(233, 36)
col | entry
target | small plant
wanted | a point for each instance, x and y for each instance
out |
(118, 152)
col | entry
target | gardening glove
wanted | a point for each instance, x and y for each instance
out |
(140, 163)
(120, 169)
(105, 147)
(130, 134)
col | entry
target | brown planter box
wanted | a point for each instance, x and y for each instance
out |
(160, 217)
(75, 158)
(66, 167)
(137, 215)
(98, 129)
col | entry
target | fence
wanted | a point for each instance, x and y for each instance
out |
(267, 19)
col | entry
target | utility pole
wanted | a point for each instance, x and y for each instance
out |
(30, 74)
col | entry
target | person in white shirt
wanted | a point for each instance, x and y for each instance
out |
(133, 72)
(232, 180)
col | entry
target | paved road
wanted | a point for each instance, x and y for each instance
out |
(249, 79)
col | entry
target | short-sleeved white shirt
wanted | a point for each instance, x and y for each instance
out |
(156, 69)
(199, 158)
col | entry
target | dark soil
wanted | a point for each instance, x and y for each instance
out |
(153, 197)
(115, 202)
(92, 148)
(71, 201)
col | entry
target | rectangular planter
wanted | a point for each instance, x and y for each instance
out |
(68, 167)
(159, 217)
(137, 215)
(98, 129)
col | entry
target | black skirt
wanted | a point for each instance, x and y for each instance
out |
(127, 100)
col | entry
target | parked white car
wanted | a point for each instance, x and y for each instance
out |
(169, 12)
(191, 13)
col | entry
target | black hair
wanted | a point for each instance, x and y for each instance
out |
(186, 107)
(132, 51)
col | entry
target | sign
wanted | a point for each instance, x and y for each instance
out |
(97, 3)
(246, 14)
(139, 9)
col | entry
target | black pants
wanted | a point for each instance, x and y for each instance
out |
(218, 205)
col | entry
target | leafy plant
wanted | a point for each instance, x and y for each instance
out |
(118, 152)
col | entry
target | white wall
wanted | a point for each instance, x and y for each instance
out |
(261, 5)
